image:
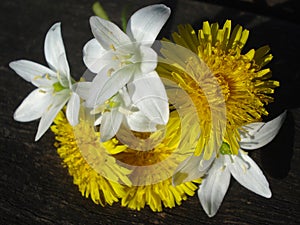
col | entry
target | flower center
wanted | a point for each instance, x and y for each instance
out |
(144, 148)
(106, 106)
(123, 59)
(58, 87)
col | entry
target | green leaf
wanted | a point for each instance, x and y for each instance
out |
(99, 11)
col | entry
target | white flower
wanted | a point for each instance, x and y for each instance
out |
(127, 59)
(117, 110)
(54, 85)
(214, 187)
(257, 135)
(217, 171)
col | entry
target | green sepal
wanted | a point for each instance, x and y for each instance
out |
(225, 149)
(99, 11)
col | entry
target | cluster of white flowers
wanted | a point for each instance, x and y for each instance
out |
(126, 90)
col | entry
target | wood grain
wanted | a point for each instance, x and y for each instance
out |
(36, 189)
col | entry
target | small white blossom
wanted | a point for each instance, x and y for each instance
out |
(126, 59)
(55, 86)
(119, 110)
(214, 186)
(217, 171)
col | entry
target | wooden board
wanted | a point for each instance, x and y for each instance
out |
(34, 186)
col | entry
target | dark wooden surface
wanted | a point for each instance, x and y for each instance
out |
(34, 186)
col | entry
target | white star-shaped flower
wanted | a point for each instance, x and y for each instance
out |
(55, 86)
(126, 59)
(214, 186)
(117, 111)
(217, 171)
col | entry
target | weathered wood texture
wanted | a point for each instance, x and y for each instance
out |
(34, 186)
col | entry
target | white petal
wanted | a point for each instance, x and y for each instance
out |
(33, 106)
(124, 97)
(45, 82)
(146, 23)
(148, 59)
(248, 174)
(96, 87)
(108, 59)
(149, 95)
(73, 109)
(107, 33)
(82, 89)
(214, 187)
(110, 124)
(98, 121)
(261, 134)
(29, 70)
(92, 52)
(104, 87)
(64, 76)
(190, 169)
(55, 51)
(137, 121)
(58, 103)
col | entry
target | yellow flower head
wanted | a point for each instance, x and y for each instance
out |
(70, 142)
(153, 161)
(226, 87)
(138, 172)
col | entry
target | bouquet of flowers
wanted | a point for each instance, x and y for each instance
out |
(153, 121)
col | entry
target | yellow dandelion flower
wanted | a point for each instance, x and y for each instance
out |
(103, 187)
(219, 78)
(138, 172)
(158, 195)
(153, 161)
